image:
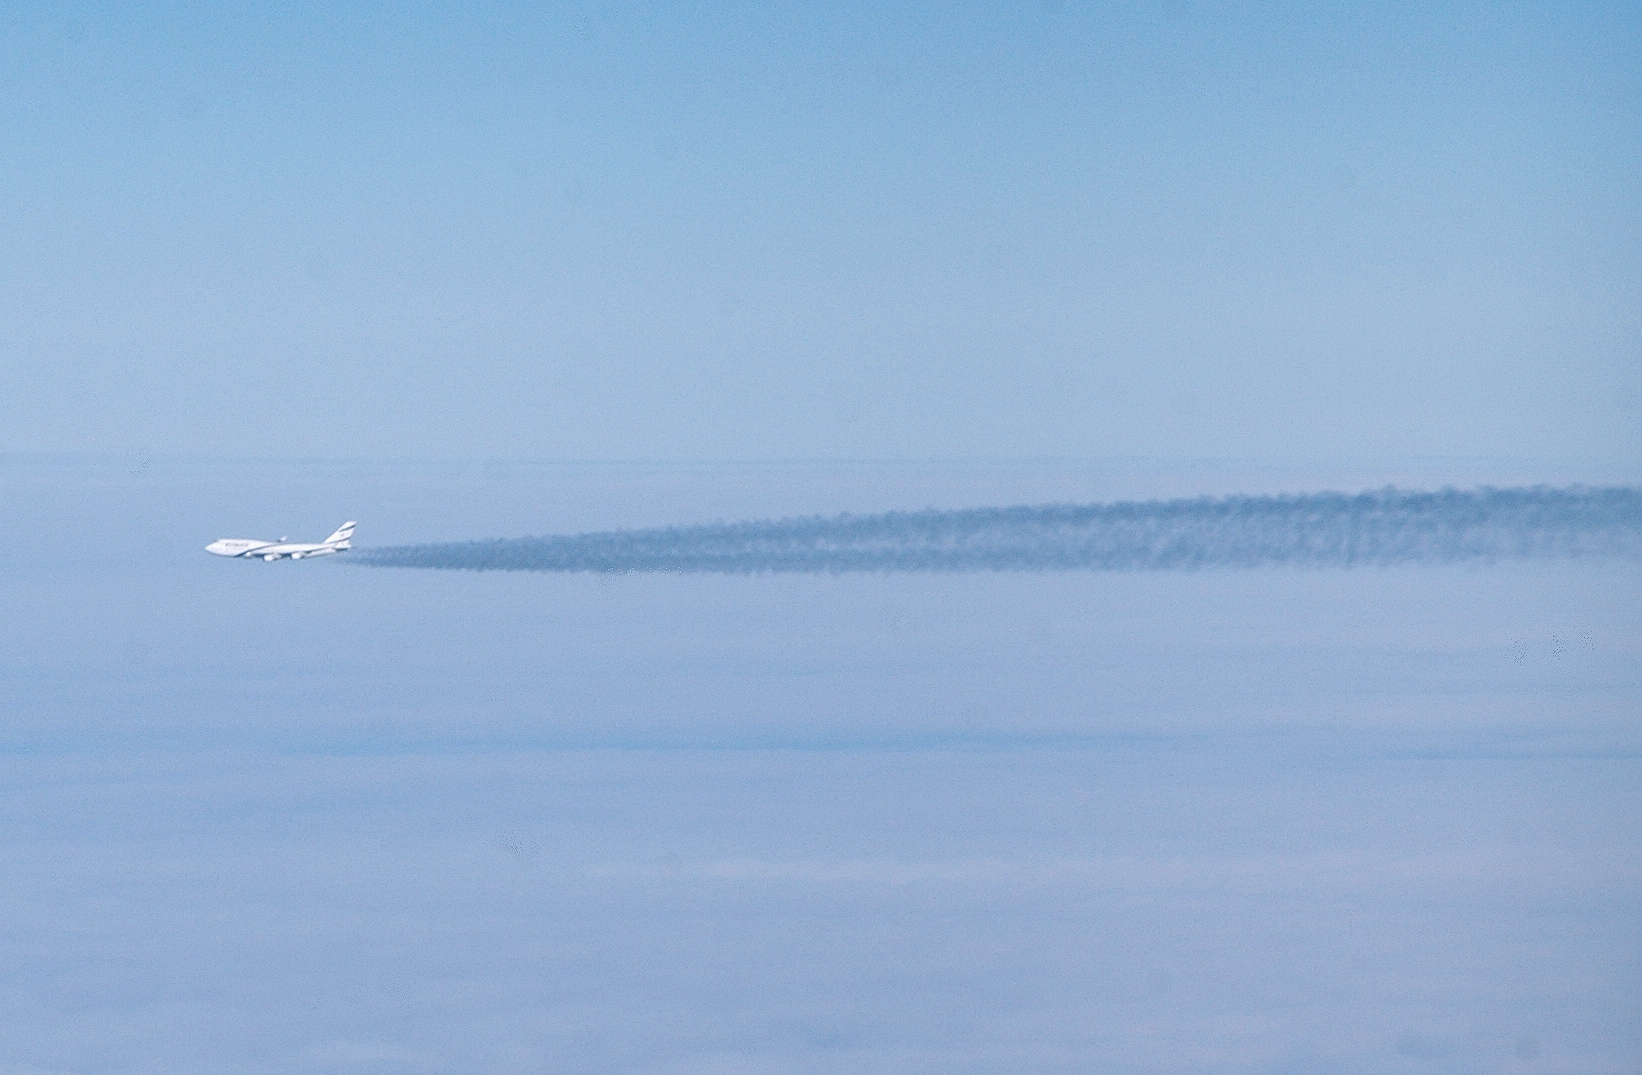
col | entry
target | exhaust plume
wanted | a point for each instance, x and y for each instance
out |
(1387, 526)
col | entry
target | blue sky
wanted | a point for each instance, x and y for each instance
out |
(776, 231)
(266, 268)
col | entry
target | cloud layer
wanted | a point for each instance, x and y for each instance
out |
(1387, 526)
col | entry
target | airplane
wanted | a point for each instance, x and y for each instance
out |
(250, 548)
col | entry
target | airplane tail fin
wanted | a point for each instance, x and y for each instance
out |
(343, 538)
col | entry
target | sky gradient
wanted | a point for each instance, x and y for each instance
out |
(769, 231)
(462, 271)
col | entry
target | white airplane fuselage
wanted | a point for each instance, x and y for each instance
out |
(255, 549)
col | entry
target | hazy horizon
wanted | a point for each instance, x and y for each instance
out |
(1355, 794)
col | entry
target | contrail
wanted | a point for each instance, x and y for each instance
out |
(1387, 526)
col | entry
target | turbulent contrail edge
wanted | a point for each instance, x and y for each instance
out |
(1387, 526)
